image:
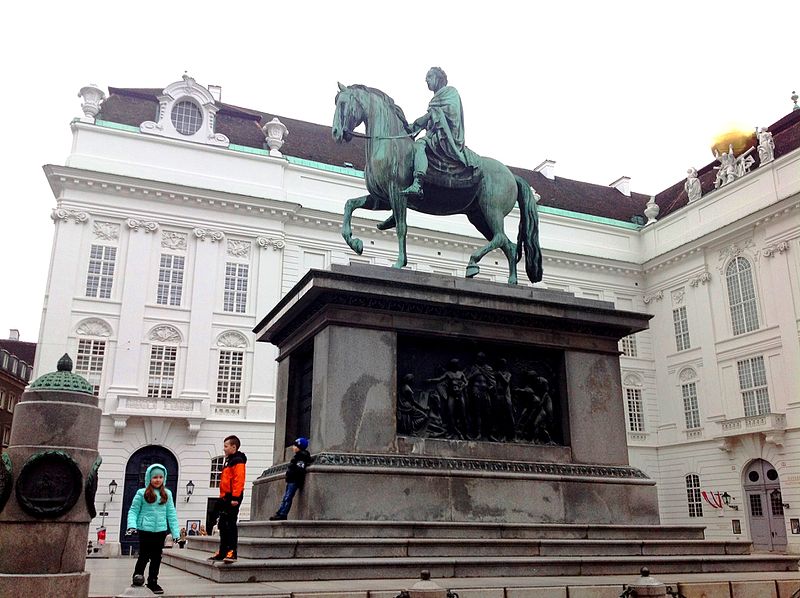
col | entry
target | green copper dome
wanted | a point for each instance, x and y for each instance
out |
(63, 379)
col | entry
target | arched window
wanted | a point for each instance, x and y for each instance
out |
(186, 117)
(634, 403)
(216, 471)
(693, 495)
(742, 296)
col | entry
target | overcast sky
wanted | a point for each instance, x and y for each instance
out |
(605, 89)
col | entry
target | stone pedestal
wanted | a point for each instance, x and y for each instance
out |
(349, 337)
(53, 463)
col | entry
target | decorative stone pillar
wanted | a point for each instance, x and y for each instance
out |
(92, 97)
(52, 464)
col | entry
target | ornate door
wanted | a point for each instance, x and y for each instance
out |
(765, 507)
(134, 479)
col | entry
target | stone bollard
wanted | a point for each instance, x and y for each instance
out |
(646, 586)
(425, 588)
(52, 464)
(137, 588)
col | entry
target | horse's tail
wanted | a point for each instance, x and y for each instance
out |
(528, 237)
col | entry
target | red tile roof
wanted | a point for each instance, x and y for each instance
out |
(310, 141)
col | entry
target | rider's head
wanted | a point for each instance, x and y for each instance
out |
(437, 77)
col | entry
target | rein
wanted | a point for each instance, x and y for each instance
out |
(362, 136)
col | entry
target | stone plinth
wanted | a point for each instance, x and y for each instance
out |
(53, 460)
(348, 337)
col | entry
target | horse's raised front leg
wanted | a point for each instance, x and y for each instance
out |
(498, 240)
(386, 224)
(351, 205)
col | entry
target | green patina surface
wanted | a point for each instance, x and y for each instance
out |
(360, 174)
(63, 379)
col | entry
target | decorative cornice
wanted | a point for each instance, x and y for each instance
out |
(657, 296)
(165, 334)
(701, 278)
(93, 327)
(173, 240)
(454, 466)
(275, 243)
(107, 231)
(779, 247)
(206, 233)
(145, 225)
(64, 214)
(232, 339)
(239, 248)
(735, 250)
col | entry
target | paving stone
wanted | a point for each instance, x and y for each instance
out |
(383, 593)
(536, 592)
(705, 590)
(753, 589)
(594, 591)
(787, 588)
(331, 595)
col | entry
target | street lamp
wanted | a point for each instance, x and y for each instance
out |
(727, 498)
(189, 490)
(112, 489)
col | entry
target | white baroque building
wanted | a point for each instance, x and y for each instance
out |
(178, 225)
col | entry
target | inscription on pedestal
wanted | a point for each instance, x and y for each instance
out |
(49, 485)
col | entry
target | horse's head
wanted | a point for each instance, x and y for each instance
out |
(349, 114)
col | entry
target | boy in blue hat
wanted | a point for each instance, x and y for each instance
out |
(295, 477)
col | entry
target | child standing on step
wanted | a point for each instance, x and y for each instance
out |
(295, 477)
(152, 514)
(231, 493)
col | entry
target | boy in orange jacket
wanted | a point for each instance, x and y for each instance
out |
(231, 492)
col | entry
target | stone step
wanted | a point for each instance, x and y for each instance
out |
(294, 569)
(302, 548)
(438, 529)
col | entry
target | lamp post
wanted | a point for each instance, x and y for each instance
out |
(727, 498)
(112, 490)
(189, 490)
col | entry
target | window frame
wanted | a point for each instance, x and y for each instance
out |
(634, 403)
(101, 290)
(234, 298)
(758, 400)
(173, 289)
(628, 346)
(228, 385)
(160, 390)
(691, 411)
(93, 375)
(216, 474)
(680, 323)
(694, 499)
(743, 309)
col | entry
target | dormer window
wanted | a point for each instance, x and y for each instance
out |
(186, 111)
(186, 117)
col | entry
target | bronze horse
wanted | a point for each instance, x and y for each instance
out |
(389, 160)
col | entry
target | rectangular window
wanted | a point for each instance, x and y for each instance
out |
(235, 299)
(681, 324)
(170, 280)
(756, 508)
(2, 399)
(635, 409)
(101, 271)
(690, 408)
(753, 384)
(12, 402)
(161, 378)
(6, 435)
(89, 361)
(693, 495)
(629, 346)
(229, 379)
(216, 471)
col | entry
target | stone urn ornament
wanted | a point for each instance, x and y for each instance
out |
(92, 97)
(275, 131)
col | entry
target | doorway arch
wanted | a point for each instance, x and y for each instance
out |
(762, 489)
(137, 465)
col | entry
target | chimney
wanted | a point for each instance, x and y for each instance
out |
(216, 92)
(623, 185)
(13, 334)
(546, 168)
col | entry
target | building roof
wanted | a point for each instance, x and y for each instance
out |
(310, 141)
(23, 350)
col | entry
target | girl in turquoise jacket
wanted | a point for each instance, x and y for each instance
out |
(152, 514)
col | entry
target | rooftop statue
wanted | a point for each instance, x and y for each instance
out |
(436, 175)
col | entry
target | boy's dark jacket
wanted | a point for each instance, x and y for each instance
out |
(296, 474)
(231, 483)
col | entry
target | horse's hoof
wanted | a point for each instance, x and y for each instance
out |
(512, 280)
(472, 270)
(358, 246)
